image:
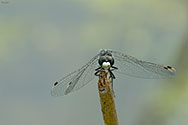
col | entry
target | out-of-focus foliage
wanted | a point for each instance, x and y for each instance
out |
(11, 37)
(172, 101)
(132, 21)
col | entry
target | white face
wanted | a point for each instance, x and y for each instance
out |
(106, 65)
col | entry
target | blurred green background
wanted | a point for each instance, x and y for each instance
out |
(43, 40)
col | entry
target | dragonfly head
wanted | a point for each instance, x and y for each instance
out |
(106, 61)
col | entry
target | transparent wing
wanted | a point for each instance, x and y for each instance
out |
(76, 79)
(137, 68)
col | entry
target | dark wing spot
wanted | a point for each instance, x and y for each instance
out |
(169, 67)
(55, 83)
(165, 68)
(70, 83)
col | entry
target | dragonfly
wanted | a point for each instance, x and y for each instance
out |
(110, 61)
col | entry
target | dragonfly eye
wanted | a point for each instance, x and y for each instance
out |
(55, 83)
(111, 60)
(101, 60)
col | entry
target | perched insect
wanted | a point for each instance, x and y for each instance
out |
(110, 61)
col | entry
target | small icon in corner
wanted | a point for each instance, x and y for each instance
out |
(4, 2)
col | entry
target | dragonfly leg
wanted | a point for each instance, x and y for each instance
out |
(114, 68)
(97, 71)
(111, 74)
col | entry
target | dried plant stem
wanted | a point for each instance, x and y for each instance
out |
(107, 99)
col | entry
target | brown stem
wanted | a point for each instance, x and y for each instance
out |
(107, 99)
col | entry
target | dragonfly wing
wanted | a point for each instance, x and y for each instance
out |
(76, 79)
(137, 68)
